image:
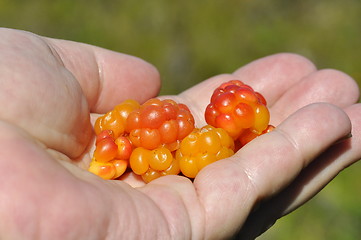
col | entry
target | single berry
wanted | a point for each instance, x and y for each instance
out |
(105, 149)
(115, 119)
(151, 164)
(125, 148)
(105, 170)
(238, 109)
(108, 170)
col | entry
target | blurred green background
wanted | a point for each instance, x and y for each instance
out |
(189, 41)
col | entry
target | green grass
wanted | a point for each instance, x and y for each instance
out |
(189, 41)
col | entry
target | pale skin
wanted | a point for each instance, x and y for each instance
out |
(51, 91)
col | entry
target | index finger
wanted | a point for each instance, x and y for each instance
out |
(273, 75)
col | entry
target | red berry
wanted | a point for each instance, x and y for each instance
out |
(159, 122)
(238, 109)
(105, 150)
(124, 148)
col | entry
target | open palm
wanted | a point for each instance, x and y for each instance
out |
(52, 89)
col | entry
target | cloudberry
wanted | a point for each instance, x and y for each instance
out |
(151, 164)
(202, 147)
(238, 109)
(159, 122)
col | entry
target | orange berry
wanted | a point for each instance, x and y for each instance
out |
(168, 131)
(120, 167)
(161, 159)
(126, 107)
(151, 164)
(203, 147)
(139, 160)
(173, 169)
(150, 138)
(112, 121)
(105, 150)
(188, 166)
(152, 116)
(105, 170)
(104, 134)
(150, 175)
(124, 148)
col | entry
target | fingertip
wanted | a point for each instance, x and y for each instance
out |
(326, 85)
(273, 75)
(354, 112)
(279, 61)
(345, 81)
(316, 126)
(292, 146)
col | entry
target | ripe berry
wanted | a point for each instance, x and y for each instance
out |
(202, 147)
(105, 150)
(105, 170)
(108, 170)
(125, 148)
(115, 119)
(159, 122)
(151, 164)
(238, 109)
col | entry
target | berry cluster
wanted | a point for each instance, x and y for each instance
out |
(239, 110)
(159, 137)
(145, 136)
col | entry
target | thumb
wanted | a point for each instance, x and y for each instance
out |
(107, 77)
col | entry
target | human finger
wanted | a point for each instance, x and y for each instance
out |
(311, 180)
(39, 95)
(327, 85)
(268, 164)
(107, 77)
(275, 74)
(271, 76)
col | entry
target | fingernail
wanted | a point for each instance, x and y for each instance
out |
(344, 138)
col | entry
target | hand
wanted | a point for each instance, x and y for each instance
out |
(50, 89)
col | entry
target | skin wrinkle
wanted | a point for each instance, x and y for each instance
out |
(200, 224)
(65, 219)
(211, 203)
(252, 183)
(119, 217)
(168, 216)
(250, 186)
(57, 54)
(158, 231)
(70, 65)
(100, 81)
(54, 51)
(173, 218)
(293, 143)
(251, 171)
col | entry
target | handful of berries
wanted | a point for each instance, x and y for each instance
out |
(159, 137)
